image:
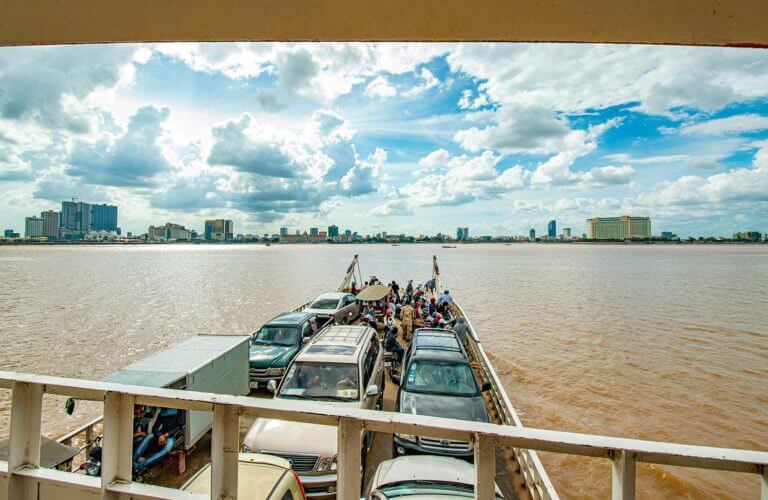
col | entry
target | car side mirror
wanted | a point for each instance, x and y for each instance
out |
(372, 390)
(272, 386)
(396, 379)
(486, 387)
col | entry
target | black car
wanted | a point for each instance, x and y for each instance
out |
(436, 339)
(439, 382)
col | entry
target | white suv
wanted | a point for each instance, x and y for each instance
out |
(341, 366)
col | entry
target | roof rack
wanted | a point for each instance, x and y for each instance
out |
(341, 334)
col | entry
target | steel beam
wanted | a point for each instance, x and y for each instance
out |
(688, 22)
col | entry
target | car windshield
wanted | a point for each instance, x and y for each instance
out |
(412, 488)
(440, 377)
(323, 381)
(277, 335)
(324, 304)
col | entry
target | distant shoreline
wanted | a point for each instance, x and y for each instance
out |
(453, 244)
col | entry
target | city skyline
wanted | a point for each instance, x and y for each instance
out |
(389, 137)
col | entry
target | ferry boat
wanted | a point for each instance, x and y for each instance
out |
(503, 450)
(519, 474)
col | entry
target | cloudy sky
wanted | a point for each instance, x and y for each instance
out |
(414, 138)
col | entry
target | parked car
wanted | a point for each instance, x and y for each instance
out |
(259, 477)
(342, 366)
(276, 343)
(338, 307)
(437, 380)
(424, 476)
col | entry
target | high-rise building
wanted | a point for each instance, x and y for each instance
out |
(333, 231)
(566, 232)
(10, 233)
(33, 227)
(50, 224)
(218, 230)
(618, 228)
(462, 233)
(552, 229)
(667, 234)
(283, 231)
(348, 232)
(169, 232)
(76, 216)
(532, 234)
(313, 231)
(104, 217)
(68, 219)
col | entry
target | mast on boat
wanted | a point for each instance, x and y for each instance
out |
(436, 274)
(350, 276)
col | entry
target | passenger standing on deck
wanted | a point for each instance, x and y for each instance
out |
(432, 306)
(396, 289)
(409, 288)
(430, 286)
(461, 329)
(406, 320)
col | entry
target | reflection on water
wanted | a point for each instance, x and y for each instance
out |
(664, 342)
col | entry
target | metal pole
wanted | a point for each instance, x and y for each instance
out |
(26, 415)
(485, 467)
(623, 476)
(116, 454)
(349, 459)
(224, 452)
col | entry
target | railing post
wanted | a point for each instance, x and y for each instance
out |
(623, 476)
(224, 452)
(349, 460)
(764, 483)
(26, 418)
(485, 467)
(117, 448)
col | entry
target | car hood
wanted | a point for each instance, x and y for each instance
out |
(291, 437)
(462, 408)
(265, 356)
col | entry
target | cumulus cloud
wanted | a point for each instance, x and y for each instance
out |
(531, 129)
(738, 185)
(232, 146)
(133, 158)
(391, 208)
(380, 87)
(427, 81)
(361, 178)
(457, 180)
(573, 78)
(738, 124)
(44, 83)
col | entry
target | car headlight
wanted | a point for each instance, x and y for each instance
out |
(327, 464)
(275, 372)
(407, 437)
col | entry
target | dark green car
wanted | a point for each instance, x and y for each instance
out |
(276, 343)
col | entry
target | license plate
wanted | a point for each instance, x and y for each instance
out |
(254, 385)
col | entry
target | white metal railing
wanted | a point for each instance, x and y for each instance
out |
(26, 480)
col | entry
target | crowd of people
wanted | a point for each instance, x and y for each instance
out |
(416, 307)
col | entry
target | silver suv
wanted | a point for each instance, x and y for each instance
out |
(341, 366)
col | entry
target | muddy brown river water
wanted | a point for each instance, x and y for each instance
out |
(667, 343)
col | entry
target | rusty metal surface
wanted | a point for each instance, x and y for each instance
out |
(688, 22)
